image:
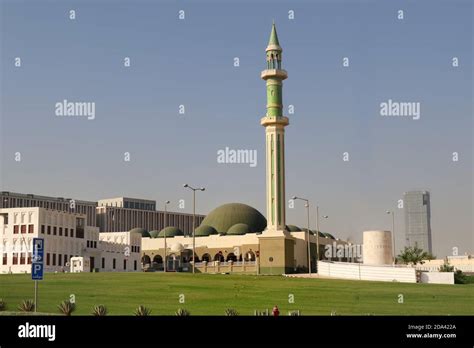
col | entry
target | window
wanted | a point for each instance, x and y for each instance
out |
(113, 263)
(22, 259)
(72, 232)
(4, 262)
(60, 260)
(135, 265)
(87, 243)
(103, 262)
(54, 230)
(29, 258)
(47, 259)
(15, 229)
(42, 229)
(60, 231)
(80, 223)
(95, 244)
(49, 229)
(65, 231)
(15, 258)
(30, 228)
(23, 229)
(124, 264)
(54, 259)
(65, 260)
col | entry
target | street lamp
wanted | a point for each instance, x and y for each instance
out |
(317, 233)
(165, 225)
(309, 243)
(393, 232)
(194, 219)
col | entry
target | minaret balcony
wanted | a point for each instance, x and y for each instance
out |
(274, 121)
(274, 74)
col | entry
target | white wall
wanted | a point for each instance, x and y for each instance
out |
(366, 272)
(437, 277)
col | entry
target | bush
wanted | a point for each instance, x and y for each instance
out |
(99, 311)
(27, 306)
(460, 278)
(446, 268)
(181, 312)
(230, 312)
(142, 311)
(3, 304)
(66, 307)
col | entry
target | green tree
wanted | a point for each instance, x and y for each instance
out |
(414, 256)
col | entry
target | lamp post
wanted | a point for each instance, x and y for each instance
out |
(309, 243)
(194, 219)
(317, 235)
(393, 232)
(165, 225)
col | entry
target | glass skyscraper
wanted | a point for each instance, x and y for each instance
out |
(418, 219)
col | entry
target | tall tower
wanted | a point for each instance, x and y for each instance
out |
(275, 123)
(275, 243)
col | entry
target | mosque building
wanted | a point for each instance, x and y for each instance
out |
(236, 237)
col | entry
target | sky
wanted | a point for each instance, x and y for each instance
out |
(190, 62)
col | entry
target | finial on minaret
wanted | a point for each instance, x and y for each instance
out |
(273, 43)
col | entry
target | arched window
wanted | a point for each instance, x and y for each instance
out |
(250, 256)
(206, 257)
(231, 257)
(146, 260)
(157, 259)
(219, 257)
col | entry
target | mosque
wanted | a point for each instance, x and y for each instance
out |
(236, 237)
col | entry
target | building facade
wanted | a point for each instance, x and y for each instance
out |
(20, 200)
(418, 219)
(65, 235)
(116, 219)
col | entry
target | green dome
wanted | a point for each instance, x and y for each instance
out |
(293, 228)
(142, 231)
(154, 234)
(170, 231)
(238, 229)
(205, 230)
(225, 216)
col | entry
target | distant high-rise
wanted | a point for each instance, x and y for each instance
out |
(418, 219)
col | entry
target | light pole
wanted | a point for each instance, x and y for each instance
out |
(309, 243)
(165, 225)
(393, 232)
(194, 219)
(317, 235)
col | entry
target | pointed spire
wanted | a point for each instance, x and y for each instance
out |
(273, 36)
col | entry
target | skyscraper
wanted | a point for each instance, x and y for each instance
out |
(418, 219)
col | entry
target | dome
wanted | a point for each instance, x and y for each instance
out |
(238, 229)
(293, 228)
(176, 247)
(225, 216)
(142, 231)
(205, 230)
(170, 232)
(154, 234)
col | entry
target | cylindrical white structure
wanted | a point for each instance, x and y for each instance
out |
(377, 248)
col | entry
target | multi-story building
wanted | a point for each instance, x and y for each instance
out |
(20, 200)
(65, 235)
(418, 219)
(124, 214)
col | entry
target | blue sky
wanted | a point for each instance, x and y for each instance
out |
(190, 62)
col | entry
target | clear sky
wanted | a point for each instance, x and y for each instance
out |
(190, 62)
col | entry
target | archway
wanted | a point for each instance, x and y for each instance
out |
(250, 256)
(206, 257)
(219, 257)
(146, 260)
(231, 257)
(158, 259)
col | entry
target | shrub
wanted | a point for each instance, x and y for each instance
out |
(460, 277)
(181, 312)
(99, 311)
(3, 304)
(27, 306)
(66, 307)
(446, 268)
(142, 311)
(230, 312)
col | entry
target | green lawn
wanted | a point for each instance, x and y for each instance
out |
(207, 294)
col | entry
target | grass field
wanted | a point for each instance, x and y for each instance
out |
(207, 294)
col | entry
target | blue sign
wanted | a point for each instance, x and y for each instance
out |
(37, 261)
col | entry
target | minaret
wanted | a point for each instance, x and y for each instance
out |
(275, 123)
(276, 245)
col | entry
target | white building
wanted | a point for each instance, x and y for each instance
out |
(66, 235)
